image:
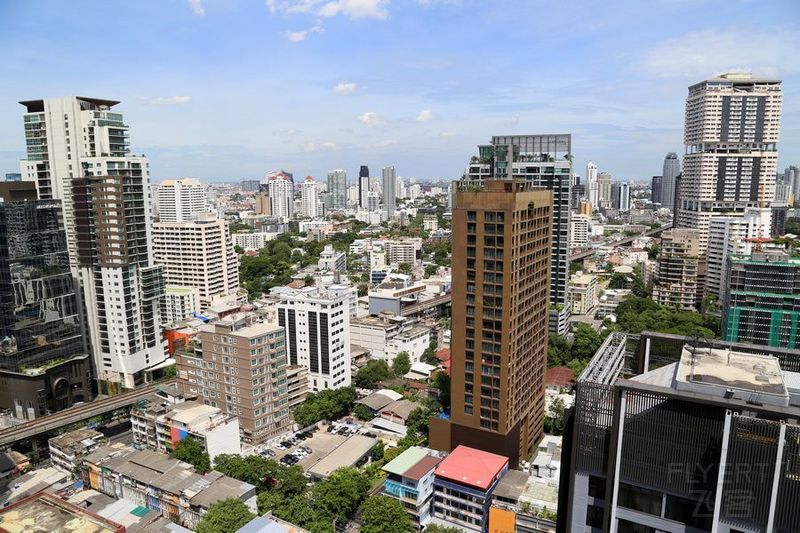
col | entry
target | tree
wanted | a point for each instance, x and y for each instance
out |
(339, 496)
(401, 364)
(363, 412)
(378, 451)
(371, 373)
(325, 405)
(308, 280)
(191, 451)
(636, 314)
(435, 528)
(429, 355)
(225, 516)
(442, 382)
(406, 268)
(431, 270)
(382, 514)
(417, 421)
(555, 419)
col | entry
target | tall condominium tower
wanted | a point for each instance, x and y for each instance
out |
(731, 136)
(180, 200)
(604, 189)
(792, 176)
(591, 183)
(501, 274)
(44, 365)
(545, 161)
(121, 283)
(317, 323)
(198, 254)
(337, 188)
(669, 173)
(389, 191)
(676, 279)
(657, 189)
(310, 205)
(363, 187)
(280, 187)
(621, 196)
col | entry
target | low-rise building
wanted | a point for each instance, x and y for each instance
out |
(179, 303)
(583, 294)
(394, 293)
(67, 450)
(409, 478)
(47, 512)
(463, 486)
(330, 259)
(253, 241)
(354, 451)
(609, 300)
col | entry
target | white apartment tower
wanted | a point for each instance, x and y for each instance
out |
(731, 137)
(180, 200)
(78, 152)
(389, 191)
(669, 175)
(579, 230)
(591, 183)
(317, 324)
(199, 254)
(337, 188)
(309, 199)
(281, 195)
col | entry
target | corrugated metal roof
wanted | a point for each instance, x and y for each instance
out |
(405, 460)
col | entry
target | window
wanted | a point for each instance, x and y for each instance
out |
(597, 487)
(594, 516)
(640, 499)
(697, 514)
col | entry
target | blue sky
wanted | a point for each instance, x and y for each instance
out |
(230, 89)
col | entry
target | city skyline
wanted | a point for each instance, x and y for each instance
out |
(238, 110)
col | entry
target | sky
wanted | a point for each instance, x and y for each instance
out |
(231, 89)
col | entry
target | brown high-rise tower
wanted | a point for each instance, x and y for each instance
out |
(501, 278)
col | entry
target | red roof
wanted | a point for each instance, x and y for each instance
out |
(446, 366)
(560, 376)
(472, 467)
(442, 354)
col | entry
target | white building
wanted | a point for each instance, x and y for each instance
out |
(591, 184)
(180, 200)
(179, 303)
(337, 188)
(579, 230)
(731, 236)
(317, 325)
(609, 300)
(402, 251)
(330, 259)
(389, 191)
(583, 294)
(254, 241)
(281, 195)
(309, 199)
(197, 254)
(430, 223)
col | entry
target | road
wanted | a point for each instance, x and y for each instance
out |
(622, 242)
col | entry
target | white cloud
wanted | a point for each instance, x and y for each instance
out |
(165, 100)
(710, 52)
(354, 9)
(298, 36)
(425, 115)
(371, 118)
(328, 144)
(197, 7)
(345, 88)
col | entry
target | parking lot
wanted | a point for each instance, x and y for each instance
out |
(306, 449)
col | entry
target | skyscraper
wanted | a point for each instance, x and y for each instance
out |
(44, 365)
(121, 283)
(731, 136)
(280, 187)
(670, 171)
(676, 280)
(656, 190)
(591, 183)
(337, 188)
(621, 196)
(363, 187)
(545, 161)
(792, 176)
(198, 253)
(310, 205)
(389, 191)
(180, 200)
(501, 269)
(604, 189)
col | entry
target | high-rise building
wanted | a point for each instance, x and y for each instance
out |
(656, 189)
(239, 366)
(122, 285)
(792, 176)
(729, 236)
(373, 201)
(676, 283)
(669, 173)
(199, 254)
(179, 303)
(591, 183)
(317, 326)
(682, 435)
(501, 273)
(280, 187)
(579, 230)
(180, 200)
(249, 185)
(389, 191)
(44, 365)
(783, 192)
(621, 196)
(337, 188)
(263, 204)
(761, 303)
(310, 205)
(545, 161)
(578, 194)
(604, 189)
(363, 187)
(731, 136)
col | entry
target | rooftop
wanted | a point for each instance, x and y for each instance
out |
(77, 439)
(47, 513)
(472, 467)
(512, 485)
(346, 454)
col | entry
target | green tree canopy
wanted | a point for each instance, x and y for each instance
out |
(225, 516)
(406, 268)
(192, 452)
(339, 496)
(382, 514)
(371, 373)
(362, 412)
(555, 419)
(435, 528)
(401, 364)
(636, 314)
(442, 382)
(325, 405)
